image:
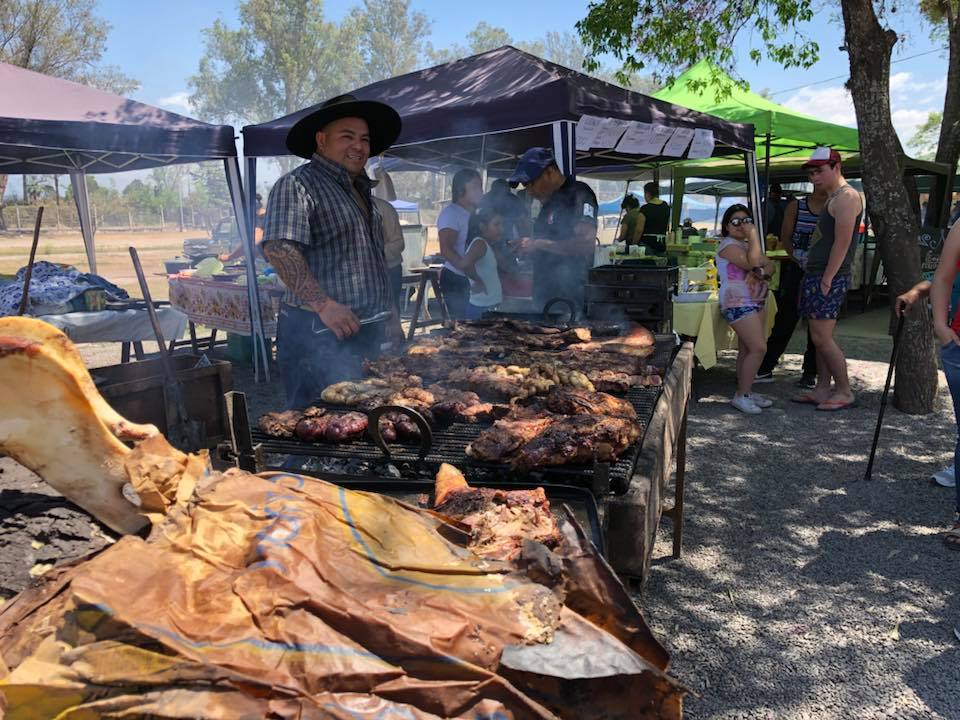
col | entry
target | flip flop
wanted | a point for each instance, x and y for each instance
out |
(835, 405)
(806, 399)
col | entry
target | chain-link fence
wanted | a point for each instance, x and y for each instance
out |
(64, 216)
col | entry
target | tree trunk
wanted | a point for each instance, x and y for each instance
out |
(948, 148)
(869, 46)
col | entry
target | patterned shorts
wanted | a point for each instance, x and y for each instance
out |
(814, 305)
(731, 315)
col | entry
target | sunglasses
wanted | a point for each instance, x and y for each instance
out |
(737, 222)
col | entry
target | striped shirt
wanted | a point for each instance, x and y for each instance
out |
(805, 225)
(314, 207)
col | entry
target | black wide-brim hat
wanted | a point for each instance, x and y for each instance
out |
(383, 121)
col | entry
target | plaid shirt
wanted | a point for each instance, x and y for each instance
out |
(314, 207)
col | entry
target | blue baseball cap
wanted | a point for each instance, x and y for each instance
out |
(531, 165)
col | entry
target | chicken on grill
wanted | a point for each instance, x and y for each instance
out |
(498, 520)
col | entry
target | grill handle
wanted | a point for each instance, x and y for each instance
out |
(571, 307)
(373, 428)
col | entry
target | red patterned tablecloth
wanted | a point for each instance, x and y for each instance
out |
(223, 305)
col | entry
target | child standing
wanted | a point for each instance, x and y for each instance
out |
(479, 263)
(743, 269)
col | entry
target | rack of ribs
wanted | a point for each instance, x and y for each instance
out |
(498, 520)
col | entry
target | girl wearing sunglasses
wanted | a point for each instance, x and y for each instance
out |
(743, 270)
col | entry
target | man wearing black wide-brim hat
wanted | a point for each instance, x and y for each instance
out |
(324, 237)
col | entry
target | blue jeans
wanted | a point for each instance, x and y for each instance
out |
(309, 362)
(950, 356)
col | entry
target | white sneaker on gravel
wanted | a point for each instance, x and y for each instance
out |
(761, 401)
(745, 404)
(945, 478)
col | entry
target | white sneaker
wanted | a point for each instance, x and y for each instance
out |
(945, 478)
(744, 403)
(761, 401)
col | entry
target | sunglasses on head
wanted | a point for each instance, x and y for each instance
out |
(737, 222)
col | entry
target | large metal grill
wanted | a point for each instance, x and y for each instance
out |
(450, 442)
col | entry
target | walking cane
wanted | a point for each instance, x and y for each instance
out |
(886, 391)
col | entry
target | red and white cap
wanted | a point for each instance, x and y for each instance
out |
(822, 156)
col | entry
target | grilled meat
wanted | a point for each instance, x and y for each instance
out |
(284, 424)
(397, 426)
(506, 437)
(348, 426)
(583, 402)
(312, 429)
(577, 439)
(459, 405)
(350, 392)
(331, 427)
(498, 520)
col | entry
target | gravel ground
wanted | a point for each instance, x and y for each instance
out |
(802, 592)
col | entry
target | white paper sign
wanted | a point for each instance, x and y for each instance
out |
(610, 133)
(678, 143)
(637, 136)
(587, 130)
(660, 135)
(702, 145)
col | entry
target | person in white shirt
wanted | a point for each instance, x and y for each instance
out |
(481, 262)
(453, 227)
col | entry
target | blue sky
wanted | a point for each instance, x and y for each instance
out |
(160, 43)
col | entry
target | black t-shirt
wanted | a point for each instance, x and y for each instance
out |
(657, 221)
(563, 275)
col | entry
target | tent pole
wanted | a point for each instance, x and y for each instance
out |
(766, 182)
(483, 162)
(78, 179)
(753, 189)
(626, 192)
(232, 169)
(564, 147)
(716, 216)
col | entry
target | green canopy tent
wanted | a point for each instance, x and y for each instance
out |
(783, 136)
(780, 131)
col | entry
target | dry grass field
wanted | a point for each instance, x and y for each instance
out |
(113, 257)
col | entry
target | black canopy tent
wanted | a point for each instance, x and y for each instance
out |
(483, 111)
(50, 125)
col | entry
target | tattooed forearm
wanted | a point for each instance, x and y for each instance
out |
(292, 268)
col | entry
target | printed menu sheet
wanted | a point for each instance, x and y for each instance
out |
(702, 145)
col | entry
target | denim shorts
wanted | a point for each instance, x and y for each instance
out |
(731, 315)
(814, 305)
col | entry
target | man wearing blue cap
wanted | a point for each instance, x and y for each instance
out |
(565, 231)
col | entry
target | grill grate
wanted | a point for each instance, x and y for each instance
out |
(449, 446)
